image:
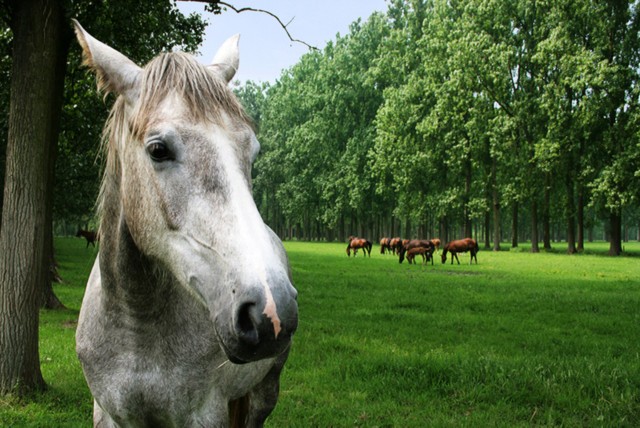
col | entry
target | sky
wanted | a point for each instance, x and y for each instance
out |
(265, 48)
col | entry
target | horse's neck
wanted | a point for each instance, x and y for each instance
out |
(129, 278)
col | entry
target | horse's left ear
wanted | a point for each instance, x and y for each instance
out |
(226, 61)
(115, 72)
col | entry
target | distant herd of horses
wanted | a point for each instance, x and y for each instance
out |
(403, 248)
(410, 248)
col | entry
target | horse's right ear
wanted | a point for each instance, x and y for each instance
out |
(227, 58)
(115, 72)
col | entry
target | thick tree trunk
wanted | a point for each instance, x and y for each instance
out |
(37, 79)
(615, 242)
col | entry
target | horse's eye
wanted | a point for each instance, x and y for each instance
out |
(159, 152)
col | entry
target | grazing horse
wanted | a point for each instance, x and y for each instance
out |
(395, 244)
(180, 325)
(414, 243)
(460, 246)
(89, 235)
(423, 251)
(385, 245)
(355, 243)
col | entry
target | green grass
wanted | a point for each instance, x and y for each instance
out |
(67, 401)
(520, 339)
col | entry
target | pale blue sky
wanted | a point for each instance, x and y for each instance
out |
(265, 49)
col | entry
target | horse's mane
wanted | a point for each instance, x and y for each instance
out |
(206, 97)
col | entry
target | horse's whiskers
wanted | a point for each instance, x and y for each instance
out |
(223, 363)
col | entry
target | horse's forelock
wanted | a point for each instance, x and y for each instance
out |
(205, 96)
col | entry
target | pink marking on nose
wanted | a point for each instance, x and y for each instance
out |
(271, 311)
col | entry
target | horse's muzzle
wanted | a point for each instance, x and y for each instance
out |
(262, 324)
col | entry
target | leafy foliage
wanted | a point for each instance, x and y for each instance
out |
(438, 113)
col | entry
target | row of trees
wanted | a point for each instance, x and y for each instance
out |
(497, 118)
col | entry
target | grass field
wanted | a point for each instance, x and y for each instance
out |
(520, 339)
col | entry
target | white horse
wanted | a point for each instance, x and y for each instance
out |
(189, 311)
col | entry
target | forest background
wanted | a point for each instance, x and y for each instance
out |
(503, 120)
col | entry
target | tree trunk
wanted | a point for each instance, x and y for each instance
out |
(546, 217)
(468, 233)
(37, 79)
(514, 225)
(496, 209)
(615, 242)
(571, 210)
(49, 298)
(487, 226)
(534, 226)
(580, 217)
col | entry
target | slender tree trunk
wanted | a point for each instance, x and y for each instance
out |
(496, 208)
(546, 217)
(35, 105)
(487, 226)
(444, 230)
(514, 225)
(468, 233)
(571, 209)
(580, 217)
(534, 226)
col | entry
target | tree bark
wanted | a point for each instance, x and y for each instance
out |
(571, 210)
(514, 225)
(615, 240)
(37, 79)
(534, 226)
(496, 209)
(468, 233)
(580, 218)
(546, 217)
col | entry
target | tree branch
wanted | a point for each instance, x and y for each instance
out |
(251, 9)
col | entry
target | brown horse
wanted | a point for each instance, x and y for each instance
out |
(395, 244)
(355, 243)
(460, 246)
(385, 245)
(89, 235)
(436, 243)
(414, 243)
(423, 251)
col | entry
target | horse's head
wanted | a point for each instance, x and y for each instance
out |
(401, 251)
(179, 163)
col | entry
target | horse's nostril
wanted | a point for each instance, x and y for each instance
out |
(247, 321)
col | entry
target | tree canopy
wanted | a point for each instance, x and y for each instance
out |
(473, 117)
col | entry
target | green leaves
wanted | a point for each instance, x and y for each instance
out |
(446, 109)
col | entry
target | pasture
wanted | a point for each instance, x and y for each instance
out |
(518, 340)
